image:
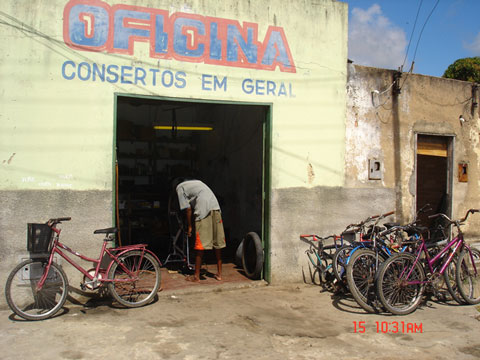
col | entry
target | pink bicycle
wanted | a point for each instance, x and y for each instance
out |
(37, 288)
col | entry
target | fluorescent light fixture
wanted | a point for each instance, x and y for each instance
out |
(191, 128)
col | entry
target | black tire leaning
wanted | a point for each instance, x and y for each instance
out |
(42, 304)
(361, 275)
(239, 254)
(252, 256)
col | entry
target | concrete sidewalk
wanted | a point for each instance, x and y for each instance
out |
(245, 320)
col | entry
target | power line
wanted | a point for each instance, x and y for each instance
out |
(423, 28)
(411, 35)
(418, 42)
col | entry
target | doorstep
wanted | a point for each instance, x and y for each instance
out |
(232, 277)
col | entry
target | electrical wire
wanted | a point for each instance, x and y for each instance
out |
(423, 28)
(388, 88)
(411, 35)
(418, 42)
(404, 60)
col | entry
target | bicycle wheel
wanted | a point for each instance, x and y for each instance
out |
(318, 268)
(23, 297)
(361, 275)
(136, 279)
(450, 277)
(468, 276)
(339, 262)
(396, 292)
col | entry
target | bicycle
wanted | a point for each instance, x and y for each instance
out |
(37, 288)
(401, 280)
(362, 266)
(329, 261)
(342, 255)
(379, 243)
(320, 257)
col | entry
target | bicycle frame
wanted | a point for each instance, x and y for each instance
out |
(372, 242)
(457, 241)
(318, 264)
(114, 253)
(320, 257)
(320, 247)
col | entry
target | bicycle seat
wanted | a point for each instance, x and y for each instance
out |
(389, 225)
(412, 230)
(112, 230)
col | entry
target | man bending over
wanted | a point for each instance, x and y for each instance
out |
(197, 198)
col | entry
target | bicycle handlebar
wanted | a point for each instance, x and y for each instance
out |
(58, 220)
(379, 217)
(410, 226)
(308, 241)
(316, 237)
(425, 208)
(470, 211)
(438, 215)
(321, 239)
(457, 222)
(389, 230)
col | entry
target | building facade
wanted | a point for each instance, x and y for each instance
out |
(104, 102)
(421, 134)
(91, 90)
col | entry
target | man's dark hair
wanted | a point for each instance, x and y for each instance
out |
(175, 182)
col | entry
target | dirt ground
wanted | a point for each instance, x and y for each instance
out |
(243, 321)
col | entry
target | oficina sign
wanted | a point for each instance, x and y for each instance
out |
(93, 25)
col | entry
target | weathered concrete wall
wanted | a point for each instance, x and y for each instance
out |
(90, 210)
(383, 125)
(319, 210)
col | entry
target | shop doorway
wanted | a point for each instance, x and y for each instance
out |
(226, 145)
(434, 158)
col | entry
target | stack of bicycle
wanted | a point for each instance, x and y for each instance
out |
(390, 267)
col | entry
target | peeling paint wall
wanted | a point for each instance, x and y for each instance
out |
(383, 125)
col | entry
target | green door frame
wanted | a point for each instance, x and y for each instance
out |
(267, 163)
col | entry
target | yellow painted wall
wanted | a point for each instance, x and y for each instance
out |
(57, 133)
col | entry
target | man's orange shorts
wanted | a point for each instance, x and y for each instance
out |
(209, 232)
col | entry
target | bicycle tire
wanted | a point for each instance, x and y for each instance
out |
(396, 296)
(361, 275)
(450, 278)
(339, 262)
(25, 300)
(136, 292)
(468, 281)
(315, 275)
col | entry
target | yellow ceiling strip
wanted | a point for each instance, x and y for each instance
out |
(192, 128)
